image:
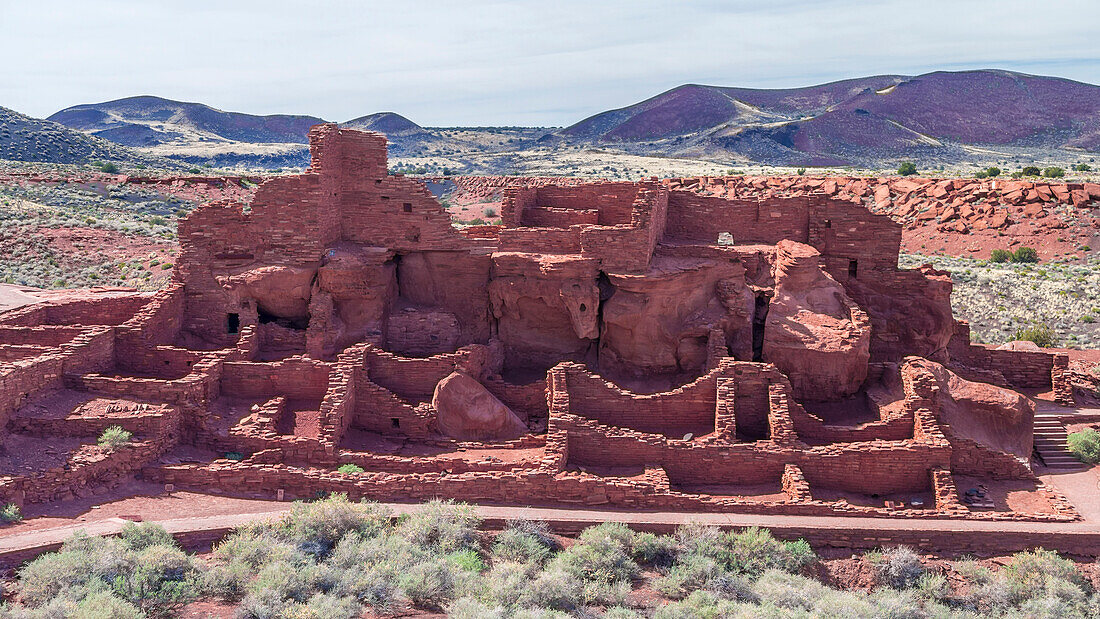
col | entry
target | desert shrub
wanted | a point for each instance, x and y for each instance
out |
(1031, 171)
(226, 582)
(1082, 167)
(1000, 255)
(253, 547)
(284, 579)
(442, 526)
(650, 549)
(10, 513)
(706, 605)
(517, 546)
(981, 174)
(108, 167)
(787, 590)
(554, 588)
(933, 586)
(140, 536)
(907, 168)
(1025, 254)
(162, 578)
(114, 437)
(992, 171)
(370, 587)
(431, 584)
(1041, 334)
(1033, 570)
(731, 587)
(471, 608)
(1053, 172)
(801, 171)
(601, 553)
(754, 550)
(320, 524)
(1085, 445)
(687, 575)
(490, 212)
(83, 564)
(350, 469)
(898, 567)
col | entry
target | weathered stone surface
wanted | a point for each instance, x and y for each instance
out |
(814, 332)
(465, 410)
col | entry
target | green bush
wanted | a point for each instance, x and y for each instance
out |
(907, 168)
(601, 554)
(108, 167)
(114, 437)
(10, 513)
(430, 585)
(1031, 171)
(1053, 172)
(1085, 445)
(1082, 167)
(1041, 334)
(993, 171)
(1000, 255)
(140, 536)
(1026, 255)
(350, 469)
(801, 171)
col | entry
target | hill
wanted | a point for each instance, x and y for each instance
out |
(23, 138)
(147, 121)
(864, 121)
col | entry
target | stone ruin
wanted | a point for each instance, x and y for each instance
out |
(611, 343)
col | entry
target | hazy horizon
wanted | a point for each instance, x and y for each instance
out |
(491, 63)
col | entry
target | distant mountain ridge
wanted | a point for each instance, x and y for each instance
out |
(862, 121)
(868, 121)
(150, 120)
(23, 138)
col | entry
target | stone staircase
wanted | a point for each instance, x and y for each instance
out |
(1050, 443)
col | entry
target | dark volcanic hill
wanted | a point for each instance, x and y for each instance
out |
(862, 121)
(23, 138)
(403, 135)
(147, 121)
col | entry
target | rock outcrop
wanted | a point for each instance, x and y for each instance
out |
(814, 333)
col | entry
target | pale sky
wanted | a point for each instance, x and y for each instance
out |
(541, 62)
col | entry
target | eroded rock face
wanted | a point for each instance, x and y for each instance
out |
(994, 417)
(660, 322)
(814, 333)
(546, 307)
(281, 291)
(467, 411)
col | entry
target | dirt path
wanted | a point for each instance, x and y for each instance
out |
(27, 540)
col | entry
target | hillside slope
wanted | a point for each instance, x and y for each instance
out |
(865, 121)
(23, 138)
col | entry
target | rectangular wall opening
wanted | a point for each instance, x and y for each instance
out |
(232, 323)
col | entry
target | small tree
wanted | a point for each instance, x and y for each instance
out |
(1041, 334)
(114, 437)
(993, 171)
(1000, 255)
(1085, 445)
(907, 168)
(1054, 172)
(1082, 167)
(1030, 171)
(801, 171)
(108, 168)
(1025, 254)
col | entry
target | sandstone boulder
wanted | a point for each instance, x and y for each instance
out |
(814, 333)
(465, 410)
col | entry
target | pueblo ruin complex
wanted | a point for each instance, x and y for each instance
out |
(610, 344)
